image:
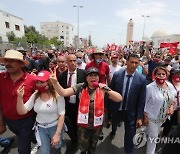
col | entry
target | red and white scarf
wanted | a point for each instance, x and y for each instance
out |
(83, 111)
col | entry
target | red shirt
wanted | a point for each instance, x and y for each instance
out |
(103, 70)
(8, 94)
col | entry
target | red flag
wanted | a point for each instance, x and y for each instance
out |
(118, 48)
(113, 47)
(165, 45)
(172, 51)
(108, 48)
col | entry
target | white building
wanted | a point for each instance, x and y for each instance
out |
(9, 23)
(63, 31)
(161, 36)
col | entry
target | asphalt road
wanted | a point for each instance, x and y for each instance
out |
(106, 146)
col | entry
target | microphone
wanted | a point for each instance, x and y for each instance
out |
(96, 84)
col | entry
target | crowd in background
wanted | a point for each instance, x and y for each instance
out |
(146, 78)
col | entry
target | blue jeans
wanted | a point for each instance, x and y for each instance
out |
(23, 130)
(46, 135)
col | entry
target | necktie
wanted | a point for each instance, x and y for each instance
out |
(126, 92)
(70, 79)
(69, 84)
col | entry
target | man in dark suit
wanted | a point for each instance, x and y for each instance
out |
(69, 78)
(132, 86)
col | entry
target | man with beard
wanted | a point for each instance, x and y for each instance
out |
(20, 125)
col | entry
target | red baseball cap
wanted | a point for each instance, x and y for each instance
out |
(42, 76)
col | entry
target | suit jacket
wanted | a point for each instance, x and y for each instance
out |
(136, 96)
(62, 79)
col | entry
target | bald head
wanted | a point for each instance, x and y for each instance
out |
(61, 61)
(71, 62)
(61, 58)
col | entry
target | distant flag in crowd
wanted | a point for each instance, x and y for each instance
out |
(108, 48)
(165, 45)
(172, 50)
(91, 50)
(171, 46)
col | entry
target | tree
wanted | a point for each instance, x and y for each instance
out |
(34, 37)
(30, 29)
(55, 41)
(11, 36)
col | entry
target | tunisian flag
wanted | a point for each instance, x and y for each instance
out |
(165, 45)
(172, 50)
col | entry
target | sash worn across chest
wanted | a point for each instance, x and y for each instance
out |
(83, 111)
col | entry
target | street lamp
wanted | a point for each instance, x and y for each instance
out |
(78, 6)
(144, 24)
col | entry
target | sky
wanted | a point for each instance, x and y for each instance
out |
(105, 20)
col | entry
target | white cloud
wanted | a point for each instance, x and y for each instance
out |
(141, 7)
(48, 1)
(161, 17)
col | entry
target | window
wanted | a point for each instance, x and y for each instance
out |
(17, 27)
(67, 32)
(62, 31)
(61, 37)
(67, 27)
(7, 24)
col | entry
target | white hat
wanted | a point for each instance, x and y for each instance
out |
(98, 50)
(13, 54)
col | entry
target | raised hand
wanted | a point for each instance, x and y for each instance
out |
(53, 77)
(20, 90)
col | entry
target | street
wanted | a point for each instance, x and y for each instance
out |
(106, 146)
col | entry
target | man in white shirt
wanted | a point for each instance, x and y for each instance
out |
(114, 66)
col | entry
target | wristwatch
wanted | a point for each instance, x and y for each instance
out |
(106, 88)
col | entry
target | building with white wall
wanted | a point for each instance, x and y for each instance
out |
(161, 36)
(9, 23)
(63, 31)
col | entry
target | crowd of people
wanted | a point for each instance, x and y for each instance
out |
(44, 94)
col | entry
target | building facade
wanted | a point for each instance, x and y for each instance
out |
(161, 36)
(63, 31)
(10, 23)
